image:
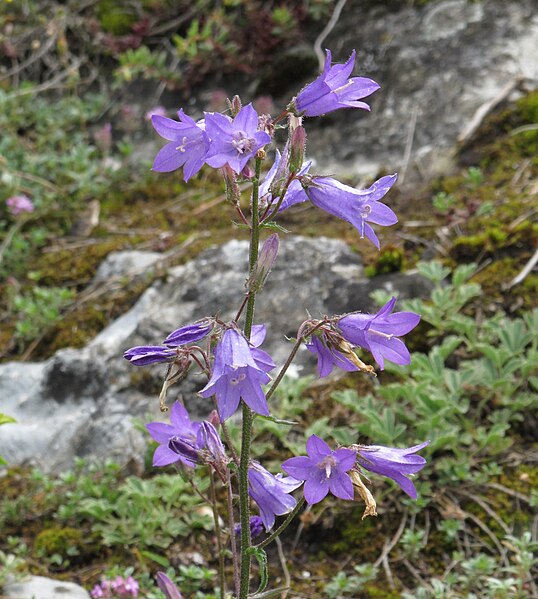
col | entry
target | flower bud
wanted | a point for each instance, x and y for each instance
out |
(235, 105)
(264, 264)
(233, 194)
(297, 149)
(167, 587)
(185, 449)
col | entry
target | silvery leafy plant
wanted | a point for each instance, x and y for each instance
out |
(229, 353)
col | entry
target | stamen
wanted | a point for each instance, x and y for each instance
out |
(374, 332)
(342, 87)
(181, 148)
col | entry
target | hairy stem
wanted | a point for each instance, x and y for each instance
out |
(244, 504)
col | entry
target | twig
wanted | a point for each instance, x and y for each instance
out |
(509, 491)
(326, 30)
(524, 272)
(282, 559)
(389, 545)
(487, 509)
(486, 108)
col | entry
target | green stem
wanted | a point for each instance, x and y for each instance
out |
(244, 504)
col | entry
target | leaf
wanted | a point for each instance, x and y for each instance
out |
(261, 558)
(159, 559)
(4, 419)
(270, 593)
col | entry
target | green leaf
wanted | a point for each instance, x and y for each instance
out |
(4, 419)
(159, 559)
(261, 558)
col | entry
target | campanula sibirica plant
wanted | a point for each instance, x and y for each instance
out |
(235, 374)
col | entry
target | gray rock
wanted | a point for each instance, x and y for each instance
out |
(437, 65)
(125, 263)
(39, 587)
(82, 402)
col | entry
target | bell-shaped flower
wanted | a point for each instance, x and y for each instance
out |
(271, 493)
(234, 142)
(168, 588)
(262, 358)
(334, 89)
(393, 463)
(357, 206)
(180, 428)
(255, 525)
(378, 333)
(328, 356)
(187, 148)
(323, 470)
(236, 375)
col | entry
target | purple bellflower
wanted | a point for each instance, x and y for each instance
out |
(333, 90)
(187, 148)
(150, 354)
(181, 430)
(393, 463)
(189, 333)
(154, 354)
(271, 493)
(236, 374)
(262, 358)
(357, 206)
(234, 142)
(328, 356)
(323, 470)
(256, 527)
(378, 333)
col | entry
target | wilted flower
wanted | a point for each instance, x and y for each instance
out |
(333, 90)
(168, 588)
(357, 206)
(234, 142)
(256, 527)
(323, 470)
(236, 375)
(19, 204)
(180, 429)
(188, 147)
(378, 333)
(271, 493)
(393, 463)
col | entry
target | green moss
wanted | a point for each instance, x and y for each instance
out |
(116, 17)
(58, 540)
(390, 259)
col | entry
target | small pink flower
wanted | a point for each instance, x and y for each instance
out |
(19, 204)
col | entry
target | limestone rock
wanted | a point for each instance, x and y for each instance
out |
(39, 587)
(82, 402)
